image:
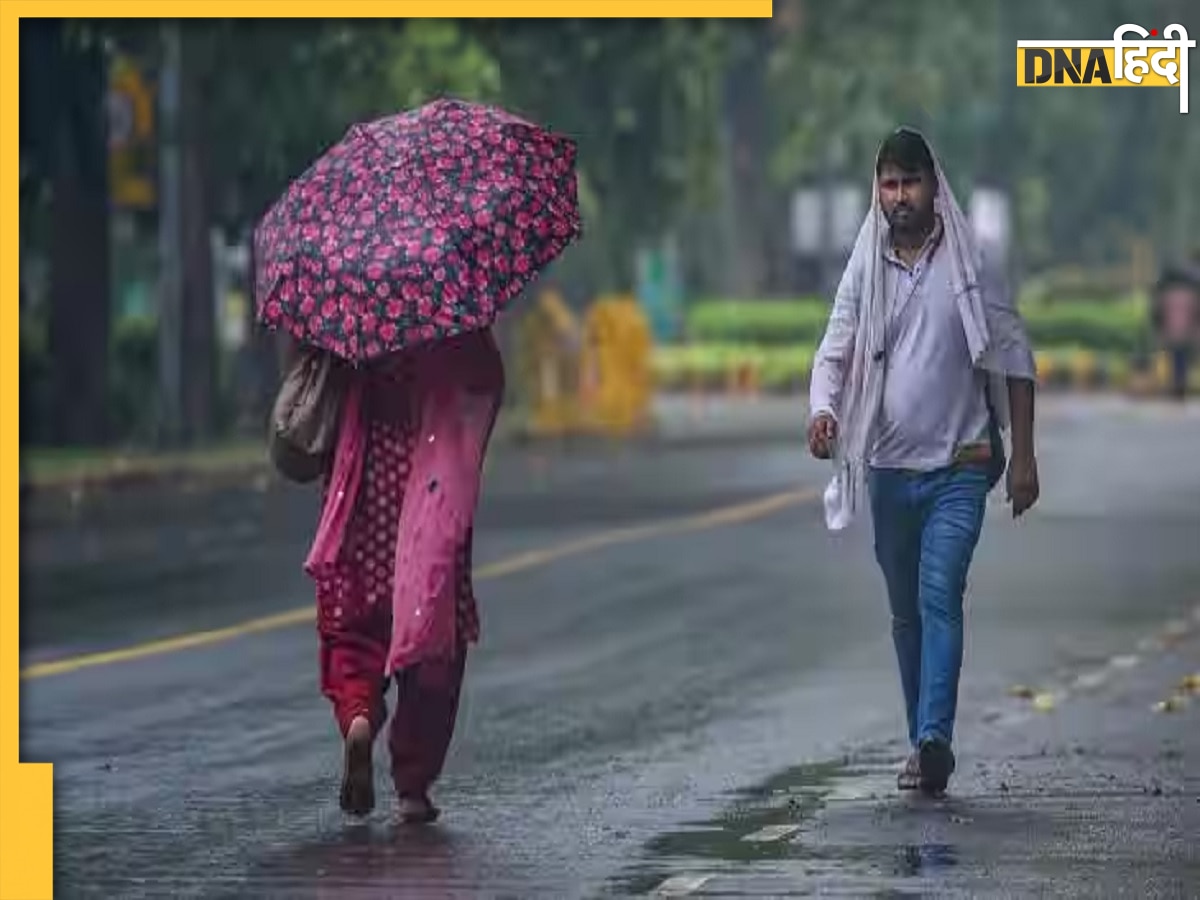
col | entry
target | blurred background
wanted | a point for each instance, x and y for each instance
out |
(680, 667)
(725, 168)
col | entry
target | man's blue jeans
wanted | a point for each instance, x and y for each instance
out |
(926, 527)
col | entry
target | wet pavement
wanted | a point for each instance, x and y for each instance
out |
(1099, 797)
(655, 685)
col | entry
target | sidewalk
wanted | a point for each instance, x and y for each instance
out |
(1097, 797)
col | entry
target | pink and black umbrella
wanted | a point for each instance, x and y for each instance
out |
(414, 228)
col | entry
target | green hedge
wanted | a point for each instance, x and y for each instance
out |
(1102, 326)
(1113, 327)
(758, 321)
(717, 366)
(712, 365)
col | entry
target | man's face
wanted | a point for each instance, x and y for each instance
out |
(906, 198)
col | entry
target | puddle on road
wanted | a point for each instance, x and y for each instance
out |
(786, 799)
(765, 809)
(776, 821)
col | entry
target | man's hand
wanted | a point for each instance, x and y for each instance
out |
(822, 432)
(1023, 487)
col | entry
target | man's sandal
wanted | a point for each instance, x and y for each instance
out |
(909, 778)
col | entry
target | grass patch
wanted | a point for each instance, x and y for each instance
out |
(50, 467)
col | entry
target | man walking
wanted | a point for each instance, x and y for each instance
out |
(919, 371)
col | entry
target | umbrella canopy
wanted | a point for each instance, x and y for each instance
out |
(414, 228)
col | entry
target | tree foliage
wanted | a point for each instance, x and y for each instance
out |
(698, 127)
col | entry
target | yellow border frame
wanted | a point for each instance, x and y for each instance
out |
(27, 789)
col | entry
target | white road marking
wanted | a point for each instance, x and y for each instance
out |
(1090, 680)
(771, 833)
(681, 885)
(1126, 662)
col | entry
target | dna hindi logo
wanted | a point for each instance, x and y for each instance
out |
(1120, 62)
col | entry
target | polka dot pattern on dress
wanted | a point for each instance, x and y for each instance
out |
(360, 589)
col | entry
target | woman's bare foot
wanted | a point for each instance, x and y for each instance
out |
(418, 810)
(358, 777)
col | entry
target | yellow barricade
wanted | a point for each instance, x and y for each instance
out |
(548, 342)
(616, 378)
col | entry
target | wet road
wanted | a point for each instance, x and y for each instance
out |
(643, 661)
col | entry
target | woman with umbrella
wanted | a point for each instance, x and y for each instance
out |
(387, 262)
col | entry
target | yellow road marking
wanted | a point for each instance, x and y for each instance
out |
(169, 645)
(533, 559)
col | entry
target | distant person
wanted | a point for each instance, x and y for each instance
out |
(1177, 323)
(918, 372)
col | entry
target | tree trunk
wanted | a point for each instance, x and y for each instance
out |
(746, 112)
(199, 375)
(79, 252)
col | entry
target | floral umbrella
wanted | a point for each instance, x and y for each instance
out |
(415, 228)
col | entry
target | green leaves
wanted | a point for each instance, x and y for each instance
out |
(642, 100)
(434, 57)
(281, 93)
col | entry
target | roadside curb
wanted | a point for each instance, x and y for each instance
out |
(68, 499)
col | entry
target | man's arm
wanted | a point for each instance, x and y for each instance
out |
(829, 369)
(1020, 404)
(1023, 486)
(832, 358)
(1010, 351)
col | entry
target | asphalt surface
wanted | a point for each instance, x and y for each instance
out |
(1098, 797)
(650, 696)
